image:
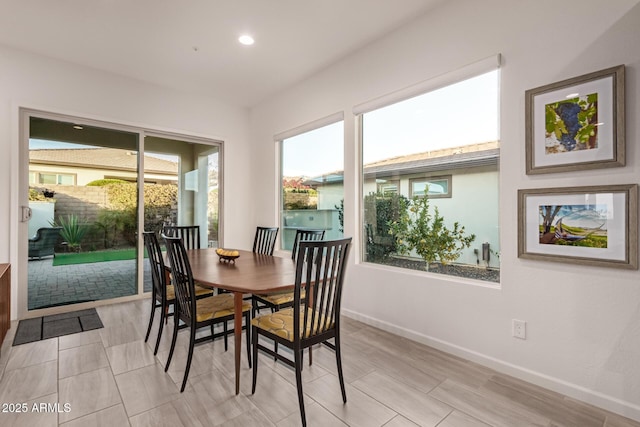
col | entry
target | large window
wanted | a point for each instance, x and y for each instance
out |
(430, 181)
(312, 182)
(51, 178)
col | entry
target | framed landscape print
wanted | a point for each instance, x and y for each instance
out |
(576, 124)
(595, 225)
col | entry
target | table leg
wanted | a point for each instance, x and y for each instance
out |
(237, 333)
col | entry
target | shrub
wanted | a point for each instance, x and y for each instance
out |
(379, 210)
(103, 182)
(35, 195)
(120, 221)
(73, 230)
(417, 229)
(340, 209)
(111, 223)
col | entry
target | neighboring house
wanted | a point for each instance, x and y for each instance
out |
(67, 171)
(456, 177)
(83, 165)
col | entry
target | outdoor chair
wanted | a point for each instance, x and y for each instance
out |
(320, 270)
(190, 234)
(44, 242)
(162, 293)
(198, 313)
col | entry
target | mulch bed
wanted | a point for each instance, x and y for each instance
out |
(469, 272)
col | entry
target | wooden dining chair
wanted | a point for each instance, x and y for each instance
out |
(264, 241)
(320, 270)
(278, 300)
(198, 313)
(304, 234)
(190, 234)
(162, 292)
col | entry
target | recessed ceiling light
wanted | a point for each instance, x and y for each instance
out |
(246, 40)
(78, 127)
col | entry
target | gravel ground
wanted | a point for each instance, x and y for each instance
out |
(479, 273)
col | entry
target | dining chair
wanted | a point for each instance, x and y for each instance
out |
(162, 293)
(264, 241)
(190, 234)
(198, 313)
(320, 270)
(278, 300)
(304, 234)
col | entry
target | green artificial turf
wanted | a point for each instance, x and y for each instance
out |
(97, 256)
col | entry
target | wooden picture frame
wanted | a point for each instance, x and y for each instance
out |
(576, 124)
(595, 225)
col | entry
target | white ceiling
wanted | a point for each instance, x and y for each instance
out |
(192, 44)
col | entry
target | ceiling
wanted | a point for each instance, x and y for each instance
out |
(193, 45)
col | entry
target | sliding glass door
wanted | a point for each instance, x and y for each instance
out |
(194, 198)
(92, 189)
(82, 235)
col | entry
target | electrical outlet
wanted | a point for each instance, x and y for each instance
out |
(519, 329)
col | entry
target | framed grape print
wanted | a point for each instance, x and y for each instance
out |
(595, 225)
(576, 124)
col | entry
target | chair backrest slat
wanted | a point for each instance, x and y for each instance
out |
(156, 261)
(182, 279)
(302, 235)
(320, 269)
(265, 240)
(190, 234)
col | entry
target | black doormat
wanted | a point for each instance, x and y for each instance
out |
(42, 328)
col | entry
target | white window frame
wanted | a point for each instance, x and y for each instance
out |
(469, 71)
(279, 139)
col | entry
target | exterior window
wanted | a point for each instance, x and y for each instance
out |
(433, 187)
(65, 179)
(56, 178)
(388, 186)
(312, 183)
(429, 144)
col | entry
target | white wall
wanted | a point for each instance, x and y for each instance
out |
(41, 83)
(583, 322)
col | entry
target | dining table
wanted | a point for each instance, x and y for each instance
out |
(249, 273)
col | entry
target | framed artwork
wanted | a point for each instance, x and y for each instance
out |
(595, 225)
(576, 124)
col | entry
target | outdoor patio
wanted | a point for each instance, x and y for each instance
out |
(66, 284)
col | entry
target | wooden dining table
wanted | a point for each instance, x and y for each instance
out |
(250, 273)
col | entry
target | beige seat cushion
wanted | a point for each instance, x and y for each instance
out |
(280, 298)
(171, 293)
(217, 306)
(280, 323)
(201, 290)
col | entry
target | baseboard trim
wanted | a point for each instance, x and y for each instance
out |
(606, 402)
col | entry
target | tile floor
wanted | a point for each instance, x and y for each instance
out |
(109, 377)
